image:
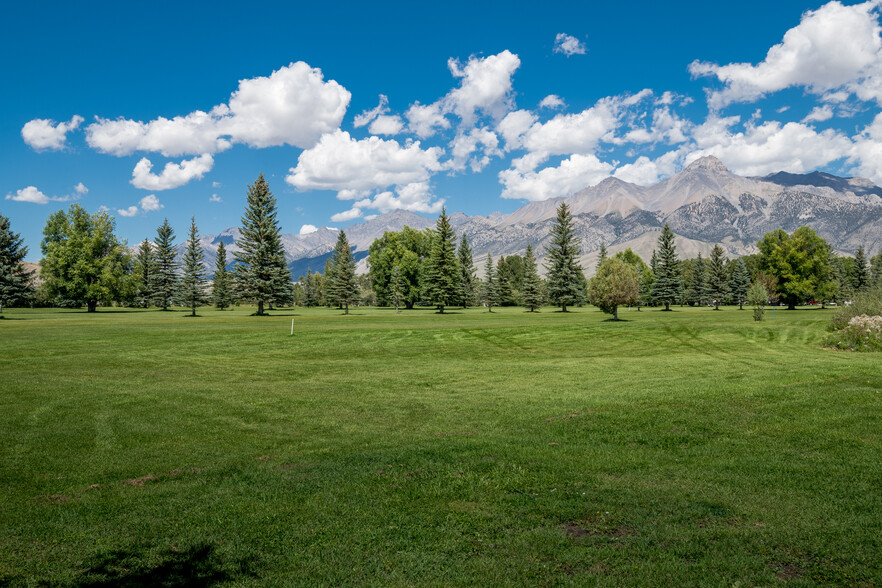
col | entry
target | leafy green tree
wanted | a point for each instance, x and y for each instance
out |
(489, 293)
(717, 277)
(221, 296)
(643, 273)
(614, 284)
(145, 268)
(165, 278)
(443, 273)
(740, 283)
(83, 260)
(191, 285)
(668, 283)
(532, 297)
(15, 281)
(565, 278)
(396, 286)
(342, 285)
(261, 274)
(860, 279)
(757, 297)
(407, 248)
(467, 279)
(800, 261)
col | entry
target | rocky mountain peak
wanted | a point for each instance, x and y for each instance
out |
(708, 163)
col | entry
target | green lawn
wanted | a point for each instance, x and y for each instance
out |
(685, 448)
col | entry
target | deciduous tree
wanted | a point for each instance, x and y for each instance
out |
(800, 261)
(614, 284)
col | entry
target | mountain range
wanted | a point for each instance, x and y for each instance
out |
(704, 204)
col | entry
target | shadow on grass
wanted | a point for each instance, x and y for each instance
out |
(197, 566)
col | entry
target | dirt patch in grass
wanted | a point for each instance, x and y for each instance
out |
(786, 571)
(579, 530)
(176, 473)
(52, 498)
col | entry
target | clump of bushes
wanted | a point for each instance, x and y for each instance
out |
(858, 326)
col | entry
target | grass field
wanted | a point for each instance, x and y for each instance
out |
(684, 448)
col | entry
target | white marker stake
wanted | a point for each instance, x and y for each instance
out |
(292, 326)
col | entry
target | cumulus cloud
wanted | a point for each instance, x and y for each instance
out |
(368, 115)
(573, 133)
(483, 143)
(339, 162)
(819, 114)
(568, 45)
(573, 174)
(346, 215)
(29, 194)
(149, 203)
(173, 174)
(215, 198)
(293, 106)
(81, 188)
(646, 172)
(425, 120)
(307, 229)
(45, 134)
(130, 211)
(386, 125)
(833, 47)
(552, 101)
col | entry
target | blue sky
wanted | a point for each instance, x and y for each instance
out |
(171, 109)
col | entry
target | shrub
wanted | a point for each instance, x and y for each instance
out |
(757, 297)
(865, 303)
(862, 333)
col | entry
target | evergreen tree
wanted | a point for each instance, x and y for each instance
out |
(341, 283)
(165, 278)
(15, 280)
(489, 290)
(876, 270)
(466, 273)
(504, 284)
(668, 285)
(191, 285)
(718, 277)
(145, 270)
(566, 282)
(694, 275)
(601, 255)
(220, 293)
(532, 289)
(309, 297)
(860, 279)
(443, 275)
(396, 286)
(261, 274)
(740, 283)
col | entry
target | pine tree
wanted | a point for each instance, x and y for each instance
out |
(342, 286)
(261, 274)
(489, 291)
(601, 255)
(668, 285)
(145, 270)
(309, 298)
(15, 280)
(220, 293)
(566, 283)
(860, 279)
(466, 273)
(718, 277)
(504, 286)
(876, 270)
(532, 291)
(396, 286)
(740, 283)
(443, 276)
(191, 285)
(696, 293)
(165, 278)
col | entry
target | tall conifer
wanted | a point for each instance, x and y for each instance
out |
(489, 293)
(220, 293)
(566, 283)
(145, 268)
(860, 278)
(165, 278)
(466, 273)
(443, 276)
(668, 284)
(341, 284)
(532, 291)
(718, 277)
(191, 286)
(740, 283)
(15, 280)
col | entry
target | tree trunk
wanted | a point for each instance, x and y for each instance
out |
(91, 305)
(615, 313)
(347, 309)
(791, 306)
(260, 308)
(563, 308)
(408, 305)
(440, 309)
(667, 306)
(194, 311)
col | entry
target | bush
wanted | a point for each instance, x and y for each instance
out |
(862, 333)
(757, 297)
(865, 303)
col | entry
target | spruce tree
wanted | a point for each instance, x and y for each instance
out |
(261, 274)
(342, 286)
(532, 290)
(696, 293)
(220, 293)
(860, 278)
(601, 255)
(15, 280)
(466, 273)
(876, 270)
(566, 283)
(718, 277)
(504, 285)
(145, 270)
(396, 286)
(668, 285)
(443, 276)
(740, 283)
(489, 293)
(191, 285)
(309, 298)
(165, 278)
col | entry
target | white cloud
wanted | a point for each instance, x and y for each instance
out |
(646, 172)
(29, 194)
(215, 184)
(339, 162)
(81, 188)
(568, 45)
(150, 203)
(819, 114)
(215, 198)
(866, 153)
(416, 197)
(552, 101)
(514, 126)
(130, 211)
(368, 115)
(386, 125)
(425, 120)
(573, 133)
(573, 174)
(42, 133)
(833, 47)
(293, 106)
(466, 144)
(173, 174)
(346, 215)
(307, 229)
